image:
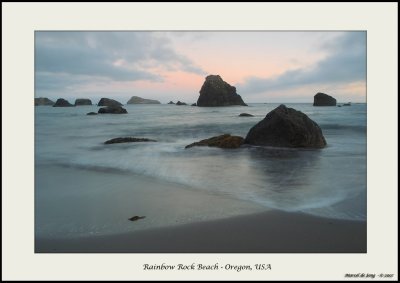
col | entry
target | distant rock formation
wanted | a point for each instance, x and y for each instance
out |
(322, 99)
(91, 113)
(139, 100)
(171, 102)
(82, 101)
(217, 92)
(222, 141)
(62, 103)
(112, 110)
(245, 115)
(43, 101)
(108, 102)
(128, 139)
(194, 104)
(286, 127)
(347, 104)
(181, 103)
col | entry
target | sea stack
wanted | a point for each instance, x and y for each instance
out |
(108, 102)
(322, 99)
(139, 100)
(82, 101)
(286, 127)
(62, 103)
(43, 101)
(216, 92)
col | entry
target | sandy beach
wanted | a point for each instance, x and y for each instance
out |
(269, 232)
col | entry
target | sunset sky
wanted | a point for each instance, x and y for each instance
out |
(263, 66)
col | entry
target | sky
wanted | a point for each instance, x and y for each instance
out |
(264, 66)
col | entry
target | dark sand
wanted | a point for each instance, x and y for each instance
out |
(269, 232)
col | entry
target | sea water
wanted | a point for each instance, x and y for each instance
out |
(328, 182)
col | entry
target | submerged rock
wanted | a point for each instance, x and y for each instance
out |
(108, 102)
(82, 101)
(322, 99)
(222, 141)
(216, 92)
(181, 103)
(286, 127)
(91, 113)
(112, 110)
(139, 100)
(135, 218)
(62, 103)
(43, 101)
(245, 115)
(128, 139)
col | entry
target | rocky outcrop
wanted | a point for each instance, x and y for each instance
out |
(91, 113)
(245, 115)
(139, 100)
(181, 103)
(286, 127)
(82, 101)
(322, 99)
(216, 92)
(62, 103)
(108, 102)
(43, 101)
(128, 139)
(223, 141)
(194, 104)
(171, 102)
(112, 110)
(347, 104)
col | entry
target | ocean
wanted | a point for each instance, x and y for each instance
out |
(85, 187)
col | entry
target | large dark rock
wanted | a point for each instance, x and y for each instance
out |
(62, 103)
(108, 102)
(286, 127)
(128, 139)
(181, 103)
(322, 99)
(245, 115)
(112, 110)
(82, 101)
(139, 100)
(223, 141)
(217, 92)
(43, 101)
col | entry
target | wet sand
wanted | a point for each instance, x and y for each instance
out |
(267, 232)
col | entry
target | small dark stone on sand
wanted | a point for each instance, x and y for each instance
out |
(245, 115)
(135, 218)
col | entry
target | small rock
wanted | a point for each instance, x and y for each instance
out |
(91, 113)
(139, 100)
(112, 110)
(194, 104)
(43, 101)
(171, 102)
(181, 103)
(245, 115)
(222, 141)
(128, 139)
(135, 218)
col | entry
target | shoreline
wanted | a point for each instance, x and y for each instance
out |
(266, 232)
